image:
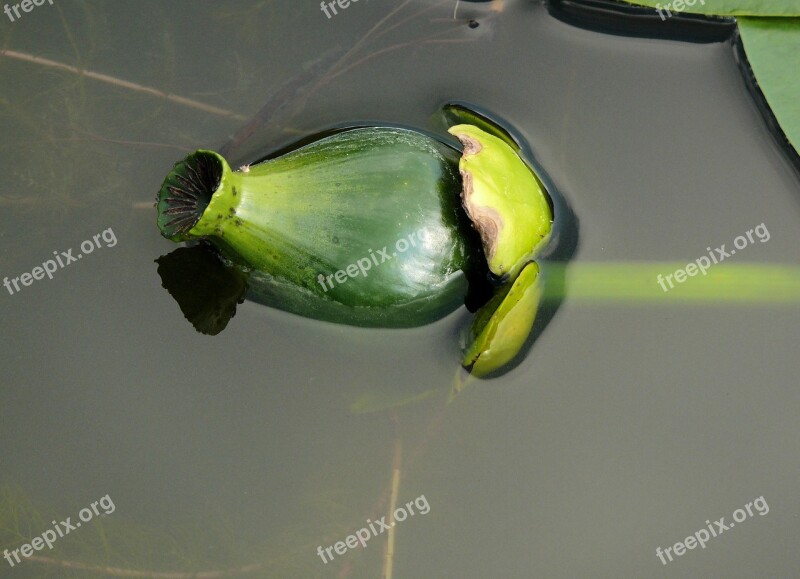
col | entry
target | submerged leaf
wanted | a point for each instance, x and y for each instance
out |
(636, 282)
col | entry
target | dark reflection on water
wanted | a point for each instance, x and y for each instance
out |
(619, 17)
(205, 289)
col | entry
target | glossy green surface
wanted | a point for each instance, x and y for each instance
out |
(363, 227)
(504, 198)
(503, 325)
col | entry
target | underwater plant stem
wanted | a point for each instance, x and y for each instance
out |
(369, 33)
(432, 39)
(338, 68)
(633, 283)
(121, 572)
(411, 17)
(300, 88)
(388, 560)
(187, 102)
(104, 140)
(154, 145)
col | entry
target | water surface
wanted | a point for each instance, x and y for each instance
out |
(624, 429)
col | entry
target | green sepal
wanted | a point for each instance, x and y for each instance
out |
(501, 327)
(504, 198)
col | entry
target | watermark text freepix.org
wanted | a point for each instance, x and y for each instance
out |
(324, 6)
(59, 531)
(363, 265)
(26, 5)
(714, 529)
(702, 264)
(677, 6)
(62, 259)
(364, 534)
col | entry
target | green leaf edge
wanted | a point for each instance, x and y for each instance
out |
(773, 52)
(775, 8)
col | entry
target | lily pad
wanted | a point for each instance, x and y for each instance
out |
(727, 7)
(772, 46)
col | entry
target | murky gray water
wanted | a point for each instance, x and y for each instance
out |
(625, 428)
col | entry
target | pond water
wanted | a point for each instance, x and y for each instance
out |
(625, 428)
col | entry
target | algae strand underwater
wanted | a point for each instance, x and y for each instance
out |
(372, 226)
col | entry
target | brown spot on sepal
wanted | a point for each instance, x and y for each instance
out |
(471, 146)
(486, 220)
